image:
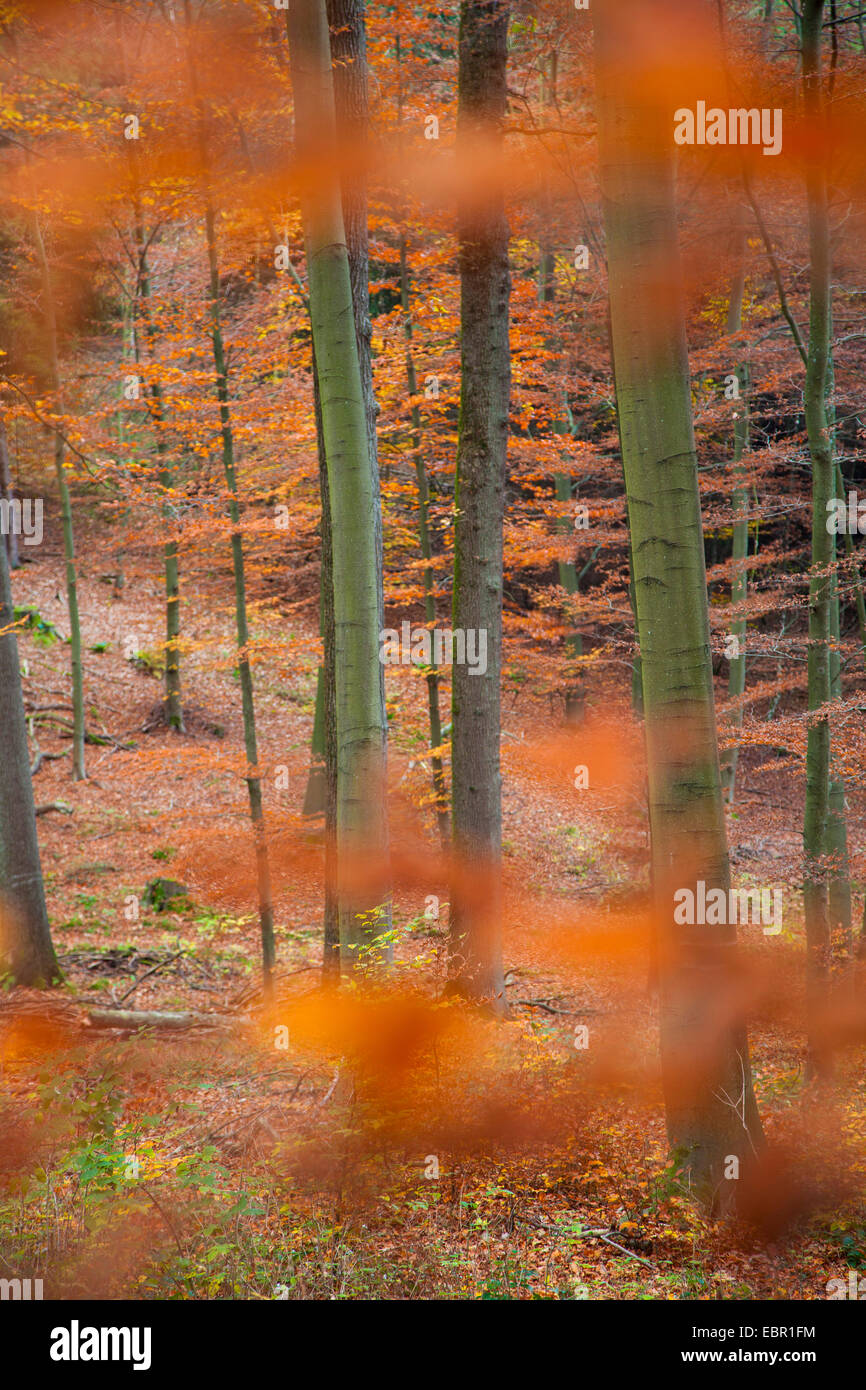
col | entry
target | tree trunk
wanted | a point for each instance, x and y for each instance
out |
(7, 494)
(636, 667)
(740, 545)
(440, 793)
(348, 42)
(173, 701)
(766, 26)
(851, 561)
(839, 902)
(574, 691)
(711, 1113)
(823, 540)
(78, 768)
(331, 955)
(564, 491)
(253, 779)
(362, 827)
(26, 952)
(439, 790)
(479, 501)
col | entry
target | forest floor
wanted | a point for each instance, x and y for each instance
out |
(475, 1159)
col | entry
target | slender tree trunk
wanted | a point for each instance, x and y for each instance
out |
(348, 43)
(574, 694)
(766, 26)
(78, 768)
(7, 494)
(362, 827)
(128, 354)
(823, 540)
(173, 700)
(839, 903)
(253, 779)
(740, 545)
(479, 501)
(711, 1111)
(26, 952)
(439, 789)
(636, 665)
(331, 956)
(637, 704)
(440, 793)
(859, 599)
(314, 796)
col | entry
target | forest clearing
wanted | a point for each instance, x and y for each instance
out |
(432, 762)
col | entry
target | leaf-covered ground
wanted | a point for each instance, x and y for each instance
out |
(396, 1147)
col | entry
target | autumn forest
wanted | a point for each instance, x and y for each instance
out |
(432, 655)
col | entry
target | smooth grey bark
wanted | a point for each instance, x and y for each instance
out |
(331, 948)
(766, 25)
(348, 40)
(740, 503)
(348, 45)
(435, 719)
(362, 823)
(568, 580)
(7, 494)
(173, 699)
(815, 897)
(253, 776)
(636, 667)
(78, 732)
(485, 380)
(839, 901)
(26, 952)
(711, 1113)
(834, 839)
(440, 793)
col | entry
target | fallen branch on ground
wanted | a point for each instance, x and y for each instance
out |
(160, 966)
(151, 1018)
(584, 1234)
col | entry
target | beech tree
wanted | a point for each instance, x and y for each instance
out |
(227, 439)
(26, 952)
(564, 487)
(816, 815)
(361, 726)
(173, 698)
(416, 200)
(10, 539)
(422, 479)
(740, 501)
(711, 1111)
(479, 492)
(53, 362)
